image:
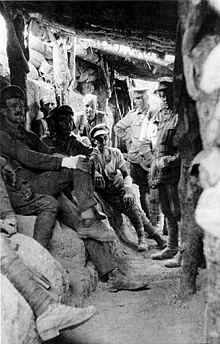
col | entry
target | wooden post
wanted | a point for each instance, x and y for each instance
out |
(189, 143)
(16, 51)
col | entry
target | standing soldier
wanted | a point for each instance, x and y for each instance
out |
(165, 170)
(129, 129)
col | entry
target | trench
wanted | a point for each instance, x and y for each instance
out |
(155, 315)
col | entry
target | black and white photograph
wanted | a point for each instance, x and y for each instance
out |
(110, 172)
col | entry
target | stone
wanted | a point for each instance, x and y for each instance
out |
(17, 318)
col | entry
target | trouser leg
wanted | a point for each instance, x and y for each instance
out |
(134, 214)
(154, 208)
(171, 208)
(21, 277)
(140, 178)
(55, 182)
(68, 212)
(172, 233)
(115, 200)
(148, 227)
(45, 208)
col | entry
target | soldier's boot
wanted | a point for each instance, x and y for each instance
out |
(51, 316)
(60, 317)
(166, 253)
(176, 261)
(162, 243)
(152, 233)
(172, 247)
(142, 244)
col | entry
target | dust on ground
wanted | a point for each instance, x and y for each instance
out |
(152, 316)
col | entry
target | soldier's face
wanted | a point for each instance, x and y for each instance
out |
(15, 111)
(102, 141)
(65, 125)
(90, 110)
(140, 100)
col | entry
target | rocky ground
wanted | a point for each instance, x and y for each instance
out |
(151, 316)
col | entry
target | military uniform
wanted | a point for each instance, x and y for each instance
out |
(165, 174)
(129, 129)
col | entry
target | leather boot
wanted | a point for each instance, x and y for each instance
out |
(176, 261)
(97, 230)
(142, 244)
(60, 317)
(166, 253)
(162, 243)
(51, 317)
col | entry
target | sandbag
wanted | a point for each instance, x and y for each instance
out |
(17, 318)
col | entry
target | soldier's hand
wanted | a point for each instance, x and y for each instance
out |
(99, 180)
(129, 198)
(71, 162)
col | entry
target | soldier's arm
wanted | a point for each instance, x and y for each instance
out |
(75, 147)
(122, 127)
(27, 157)
(39, 145)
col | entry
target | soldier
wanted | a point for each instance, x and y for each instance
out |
(51, 317)
(32, 161)
(115, 186)
(165, 170)
(62, 137)
(90, 117)
(39, 125)
(129, 129)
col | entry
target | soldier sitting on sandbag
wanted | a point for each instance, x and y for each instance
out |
(99, 238)
(115, 186)
(33, 163)
(51, 316)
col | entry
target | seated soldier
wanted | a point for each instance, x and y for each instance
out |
(61, 137)
(51, 317)
(115, 185)
(32, 161)
(27, 203)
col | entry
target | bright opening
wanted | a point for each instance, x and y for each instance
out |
(3, 35)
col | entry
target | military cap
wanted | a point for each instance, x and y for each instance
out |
(138, 89)
(164, 83)
(12, 91)
(61, 111)
(99, 129)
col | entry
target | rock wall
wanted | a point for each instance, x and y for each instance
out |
(201, 56)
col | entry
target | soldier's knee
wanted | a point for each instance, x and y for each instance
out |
(51, 204)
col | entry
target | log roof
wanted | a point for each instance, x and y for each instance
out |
(148, 26)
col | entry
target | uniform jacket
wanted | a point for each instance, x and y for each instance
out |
(166, 164)
(129, 129)
(26, 153)
(5, 205)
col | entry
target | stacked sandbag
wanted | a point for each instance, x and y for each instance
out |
(39, 260)
(17, 318)
(67, 248)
